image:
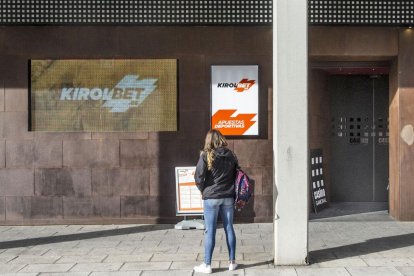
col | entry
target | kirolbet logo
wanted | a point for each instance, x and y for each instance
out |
(228, 125)
(241, 86)
(129, 92)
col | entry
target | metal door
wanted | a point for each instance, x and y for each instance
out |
(359, 144)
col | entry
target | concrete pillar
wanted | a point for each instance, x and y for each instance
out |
(290, 139)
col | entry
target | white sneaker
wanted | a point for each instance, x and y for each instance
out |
(203, 268)
(233, 266)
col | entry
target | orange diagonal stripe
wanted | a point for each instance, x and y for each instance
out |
(228, 125)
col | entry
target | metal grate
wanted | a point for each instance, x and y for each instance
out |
(366, 12)
(164, 12)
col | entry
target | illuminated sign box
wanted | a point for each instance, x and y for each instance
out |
(103, 95)
(235, 99)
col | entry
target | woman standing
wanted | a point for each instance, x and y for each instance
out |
(215, 175)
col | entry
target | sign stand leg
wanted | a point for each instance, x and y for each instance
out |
(191, 224)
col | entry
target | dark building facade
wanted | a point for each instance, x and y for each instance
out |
(128, 177)
(98, 177)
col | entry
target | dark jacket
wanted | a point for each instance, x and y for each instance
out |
(219, 182)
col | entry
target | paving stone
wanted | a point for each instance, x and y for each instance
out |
(191, 264)
(374, 271)
(270, 272)
(9, 268)
(248, 264)
(81, 259)
(15, 251)
(174, 257)
(68, 251)
(167, 273)
(146, 266)
(6, 258)
(112, 251)
(139, 244)
(190, 249)
(117, 273)
(247, 248)
(222, 271)
(257, 256)
(143, 257)
(346, 262)
(158, 249)
(252, 240)
(389, 262)
(161, 246)
(20, 274)
(96, 267)
(47, 268)
(406, 270)
(322, 272)
(28, 259)
(60, 274)
(220, 256)
(99, 243)
(398, 253)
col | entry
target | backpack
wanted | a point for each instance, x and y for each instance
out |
(243, 187)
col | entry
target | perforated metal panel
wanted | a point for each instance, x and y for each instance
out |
(164, 12)
(359, 141)
(362, 12)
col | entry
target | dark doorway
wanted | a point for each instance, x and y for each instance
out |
(359, 140)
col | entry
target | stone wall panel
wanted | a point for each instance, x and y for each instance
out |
(106, 207)
(16, 99)
(46, 207)
(16, 125)
(162, 181)
(120, 135)
(254, 153)
(90, 153)
(2, 208)
(2, 152)
(162, 206)
(63, 182)
(256, 176)
(134, 206)
(19, 153)
(115, 182)
(18, 208)
(16, 182)
(77, 207)
(134, 153)
(1, 96)
(48, 154)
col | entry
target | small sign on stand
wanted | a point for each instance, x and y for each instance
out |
(188, 198)
(317, 180)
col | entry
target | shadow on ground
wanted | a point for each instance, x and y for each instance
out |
(83, 236)
(363, 248)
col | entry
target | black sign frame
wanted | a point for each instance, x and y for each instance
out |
(316, 180)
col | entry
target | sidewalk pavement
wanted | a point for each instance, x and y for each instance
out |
(362, 244)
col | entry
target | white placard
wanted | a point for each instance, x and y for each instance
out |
(188, 197)
(235, 99)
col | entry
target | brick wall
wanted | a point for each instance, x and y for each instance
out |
(50, 177)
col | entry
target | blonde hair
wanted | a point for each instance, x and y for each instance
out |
(214, 140)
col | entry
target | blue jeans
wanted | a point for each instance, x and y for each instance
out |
(212, 207)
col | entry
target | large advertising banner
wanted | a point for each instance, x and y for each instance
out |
(235, 99)
(189, 199)
(103, 95)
